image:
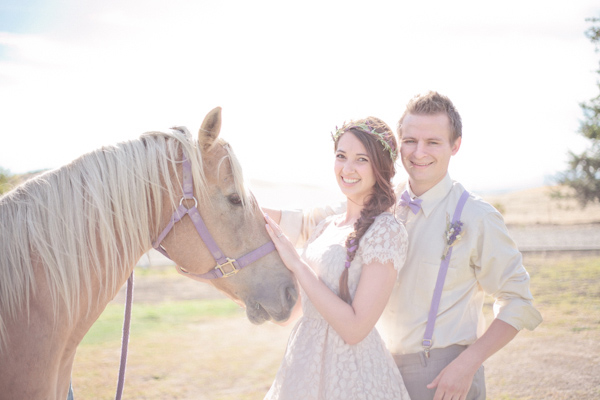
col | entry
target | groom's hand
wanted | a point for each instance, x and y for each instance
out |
(454, 382)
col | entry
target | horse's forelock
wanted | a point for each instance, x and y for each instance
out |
(248, 201)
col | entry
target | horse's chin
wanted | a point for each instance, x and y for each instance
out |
(257, 314)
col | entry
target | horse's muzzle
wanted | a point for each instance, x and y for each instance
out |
(260, 311)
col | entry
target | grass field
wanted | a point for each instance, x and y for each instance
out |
(206, 349)
(561, 358)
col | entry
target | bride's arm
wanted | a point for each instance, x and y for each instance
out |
(352, 322)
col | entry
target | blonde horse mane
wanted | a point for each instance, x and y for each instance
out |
(90, 219)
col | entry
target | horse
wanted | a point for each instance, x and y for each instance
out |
(70, 238)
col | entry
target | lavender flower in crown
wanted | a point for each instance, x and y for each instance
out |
(386, 139)
(453, 234)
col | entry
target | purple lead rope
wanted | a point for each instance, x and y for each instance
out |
(125, 337)
(217, 272)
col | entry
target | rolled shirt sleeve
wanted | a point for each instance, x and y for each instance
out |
(484, 261)
(500, 272)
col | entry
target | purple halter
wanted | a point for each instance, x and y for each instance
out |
(225, 266)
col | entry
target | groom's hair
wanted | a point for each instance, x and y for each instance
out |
(431, 103)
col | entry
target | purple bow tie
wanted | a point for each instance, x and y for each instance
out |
(405, 201)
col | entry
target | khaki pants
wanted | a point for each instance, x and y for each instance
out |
(418, 371)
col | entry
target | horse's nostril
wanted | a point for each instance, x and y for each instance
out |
(291, 295)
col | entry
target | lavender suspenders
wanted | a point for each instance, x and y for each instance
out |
(439, 284)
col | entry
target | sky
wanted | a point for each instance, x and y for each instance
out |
(76, 75)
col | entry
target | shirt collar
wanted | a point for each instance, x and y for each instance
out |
(433, 196)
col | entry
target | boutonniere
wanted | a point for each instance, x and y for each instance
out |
(453, 234)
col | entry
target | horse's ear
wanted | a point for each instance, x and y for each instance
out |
(211, 126)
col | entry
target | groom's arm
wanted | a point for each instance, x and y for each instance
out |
(455, 380)
(298, 224)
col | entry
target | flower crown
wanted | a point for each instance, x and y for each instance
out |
(385, 138)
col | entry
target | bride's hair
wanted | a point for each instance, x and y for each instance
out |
(374, 134)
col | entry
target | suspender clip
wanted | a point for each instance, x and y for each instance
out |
(427, 346)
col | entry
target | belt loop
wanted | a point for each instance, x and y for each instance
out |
(423, 358)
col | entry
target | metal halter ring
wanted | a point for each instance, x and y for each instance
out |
(193, 198)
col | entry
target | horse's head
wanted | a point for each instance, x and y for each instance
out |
(265, 287)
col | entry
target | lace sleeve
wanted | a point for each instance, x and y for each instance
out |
(385, 240)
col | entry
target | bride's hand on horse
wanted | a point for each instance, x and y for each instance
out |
(275, 215)
(284, 247)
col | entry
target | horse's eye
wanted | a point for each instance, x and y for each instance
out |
(235, 199)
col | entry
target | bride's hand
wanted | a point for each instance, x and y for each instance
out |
(284, 247)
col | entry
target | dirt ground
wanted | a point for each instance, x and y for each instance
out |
(544, 364)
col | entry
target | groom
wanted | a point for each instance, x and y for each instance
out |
(436, 331)
(484, 260)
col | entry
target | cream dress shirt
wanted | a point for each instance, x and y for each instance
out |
(484, 261)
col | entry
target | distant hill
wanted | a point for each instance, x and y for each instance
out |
(523, 207)
(533, 206)
(536, 206)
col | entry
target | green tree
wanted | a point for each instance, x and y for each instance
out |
(583, 175)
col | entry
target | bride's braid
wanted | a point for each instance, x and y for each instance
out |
(381, 146)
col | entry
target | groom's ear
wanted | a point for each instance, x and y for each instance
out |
(456, 145)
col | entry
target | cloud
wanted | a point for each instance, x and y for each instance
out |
(286, 74)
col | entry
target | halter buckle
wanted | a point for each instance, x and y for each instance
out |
(231, 271)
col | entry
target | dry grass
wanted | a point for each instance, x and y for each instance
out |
(222, 357)
(561, 358)
(177, 351)
(190, 355)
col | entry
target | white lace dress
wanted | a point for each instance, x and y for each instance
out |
(318, 364)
